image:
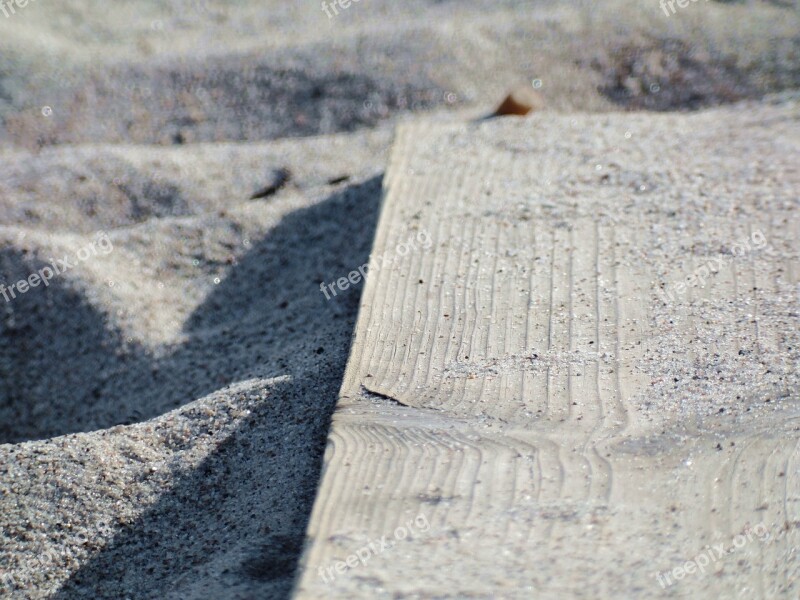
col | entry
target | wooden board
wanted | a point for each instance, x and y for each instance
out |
(537, 404)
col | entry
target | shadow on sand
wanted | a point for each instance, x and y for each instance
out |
(247, 505)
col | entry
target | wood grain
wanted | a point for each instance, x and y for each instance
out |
(537, 387)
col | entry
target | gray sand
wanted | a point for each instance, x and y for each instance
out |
(230, 384)
(164, 406)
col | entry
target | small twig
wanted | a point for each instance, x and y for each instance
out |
(339, 179)
(280, 177)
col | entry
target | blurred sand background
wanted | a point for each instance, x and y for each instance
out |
(164, 407)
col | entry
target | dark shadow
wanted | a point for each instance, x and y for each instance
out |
(668, 74)
(239, 517)
(266, 297)
(228, 98)
(253, 495)
(52, 325)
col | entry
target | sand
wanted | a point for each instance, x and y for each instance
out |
(164, 405)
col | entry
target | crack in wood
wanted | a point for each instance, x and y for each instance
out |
(384, 396)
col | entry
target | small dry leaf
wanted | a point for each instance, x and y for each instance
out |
(520, 102)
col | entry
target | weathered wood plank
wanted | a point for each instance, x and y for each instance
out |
(540, 389)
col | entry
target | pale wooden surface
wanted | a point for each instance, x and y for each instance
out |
(566, 430)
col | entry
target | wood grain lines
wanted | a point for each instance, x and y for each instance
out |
(567, 429)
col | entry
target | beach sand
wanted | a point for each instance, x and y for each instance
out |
(164, 402)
